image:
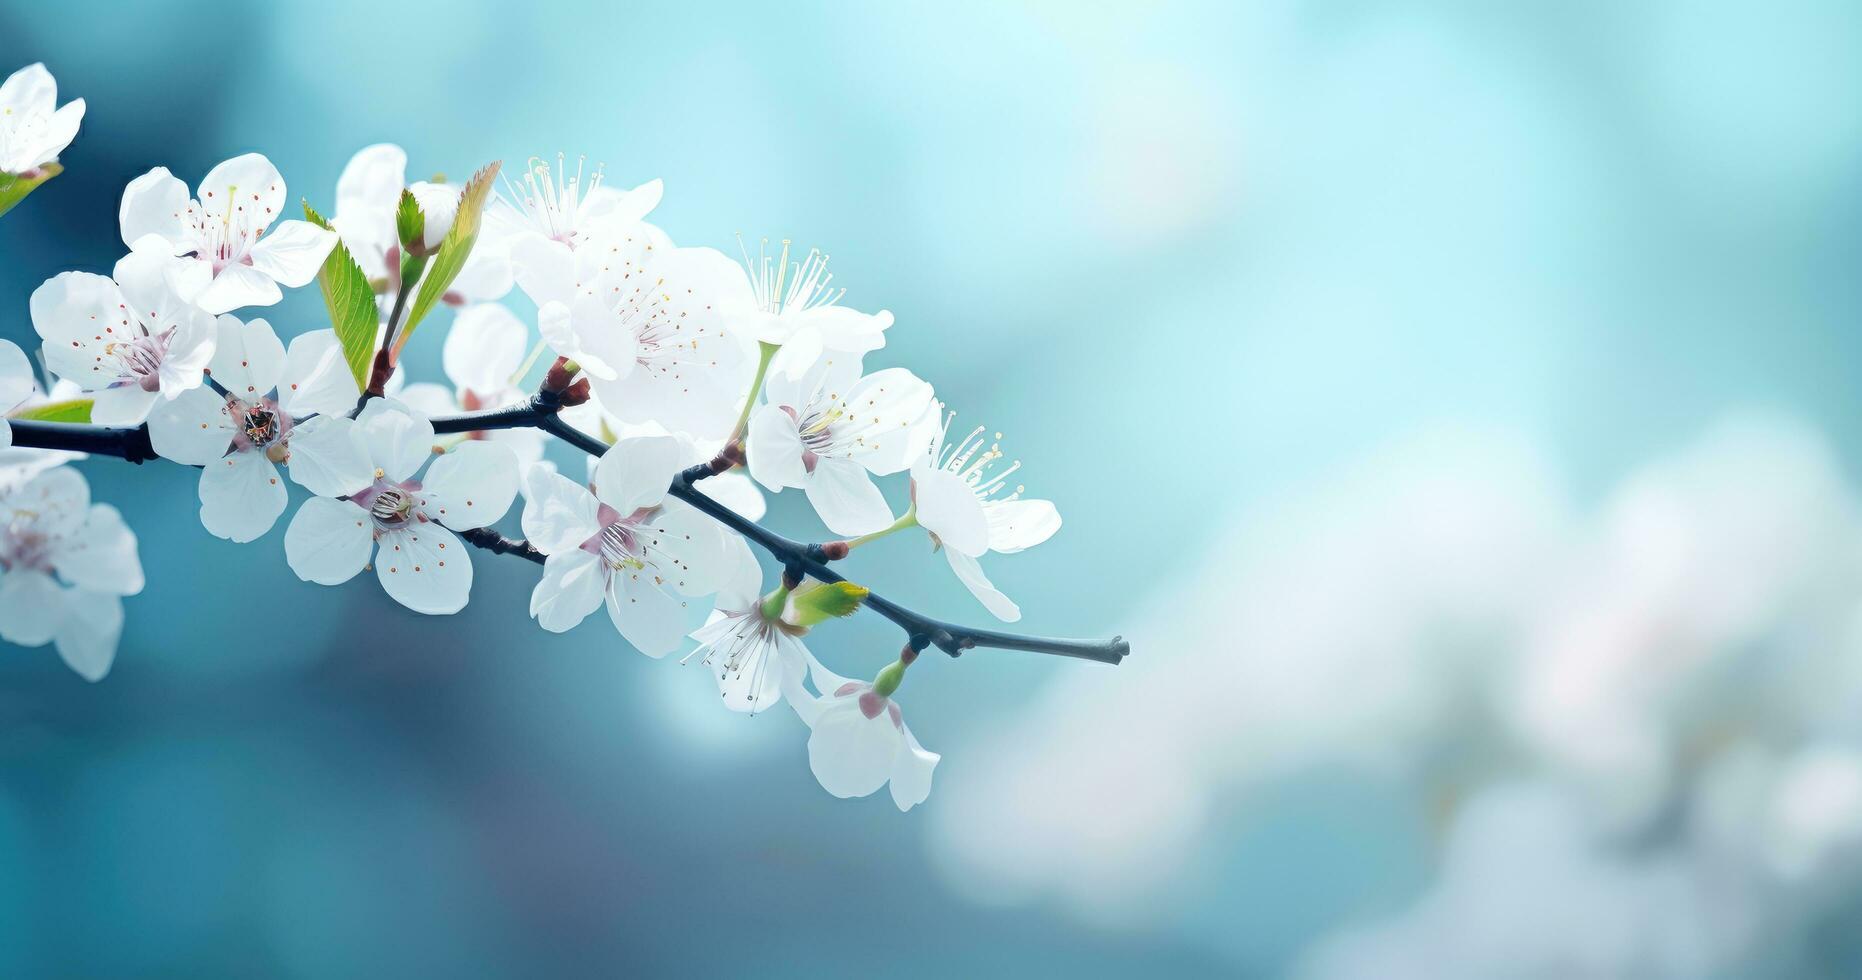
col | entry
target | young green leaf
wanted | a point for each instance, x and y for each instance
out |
(823, 601)
(14, 188)
(453, 250)
(410, 223)
(75, 410)
(351, 302)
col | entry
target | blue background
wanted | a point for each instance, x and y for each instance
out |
(1184, 256)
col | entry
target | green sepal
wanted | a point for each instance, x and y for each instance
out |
(75, 410)
(14, 188)
(351, 302)
(824, 601)
(410, 223)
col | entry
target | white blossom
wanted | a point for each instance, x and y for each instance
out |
(793, 306)
(626, 544)
(827, 429)
(34, 128)
(857, 738)
(407, 524)
(957, 496)
(129, 337)
(65, 564)
(224, 229)
(238, 439)
(368, 194)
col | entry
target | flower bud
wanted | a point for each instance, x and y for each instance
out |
(440, 203)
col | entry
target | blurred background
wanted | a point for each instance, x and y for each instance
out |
(1454, 403)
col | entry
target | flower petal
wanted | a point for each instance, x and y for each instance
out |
(101, 555)
(292, 252)
(1015, 525)
(636, 471)
(890, 404)
(773, 449)
(248, 358)
(851, 754)
(16, 376)
(328, 458)
(559, 513)
(32, 607)
(155, 203)
(398, 438)
(78, 315)
(846, 499)
(241, 496)
(425, 569)
(911, 772)
(125, 406)
(249, 186)
(570, 589)
(193, 429)
(472, 486)
(328, 541)
(970, 573)
(316, 378)
(485, 346)
(237, 286)
(648, 615)
(948, 508)
(87, 638)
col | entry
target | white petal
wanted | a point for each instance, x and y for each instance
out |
(156, 204)
(70, 312)
(911, 772)
(737, 492)
(292, 252)
(30, 90)
(851, 754)
(328, 458)
(237, 286)
(636, 471)
(685, 548)
(843, 329)
(241, 496)
(487, 275)
(88, 637)
(190, 350)
(125, 406)
(249, 186)
(32, 607)
(846, 499)
(890, 403)
(1018, 524)
(59, 130)
(742, 580)
(427, 398)
(425, 569)
(372, 180)
(316, 377)
(101, 555)
(192, 429)
(16, 377)
(248, 358)
(59, 498)
(559, 513)
(485, 346)
(572, 586)
(948, 508)
(398, 438)
(328, 541)
(970, 573)
(545, 269)
(649, 616)
(472, 486)
(773, 449)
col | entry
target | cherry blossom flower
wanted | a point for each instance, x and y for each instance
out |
(126, 339)
(224, 230)
(367, 195)
(483, 354)
(65, 564)
(857, 738)
(827, 429)
(34, 128)
(238, 439)
(643, 320)
(626, 544)
(955, 496)
(407, 524)
(555, 215)
(748, 650)
(793, 306)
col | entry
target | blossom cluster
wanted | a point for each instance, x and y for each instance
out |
(669, 355)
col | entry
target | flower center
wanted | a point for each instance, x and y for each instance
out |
(553, 207)
(23, 546)
(140, 360)
(391, 507)
(976, 464)
(224, 239)
(781, 288)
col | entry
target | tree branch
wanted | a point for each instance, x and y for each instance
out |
(540, 412)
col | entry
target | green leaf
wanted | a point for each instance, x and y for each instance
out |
(75, 410)
(351, 302)
(824, 601)
(453, 250)
(409, 221)
(14, 188)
